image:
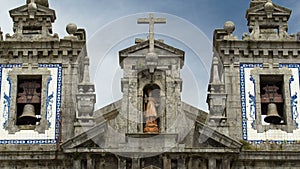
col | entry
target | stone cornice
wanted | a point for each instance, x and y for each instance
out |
(243, 48)
(41, 48)
(269, 155)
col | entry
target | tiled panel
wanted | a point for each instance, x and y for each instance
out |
(53, 93)
(248, 105)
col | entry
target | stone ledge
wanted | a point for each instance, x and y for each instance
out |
(151, 139)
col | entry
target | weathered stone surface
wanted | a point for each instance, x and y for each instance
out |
(269, 44)
(113, 136)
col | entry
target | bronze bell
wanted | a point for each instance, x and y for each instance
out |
(28, 116)
(272, 114)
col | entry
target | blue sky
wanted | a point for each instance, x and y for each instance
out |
(111, 26)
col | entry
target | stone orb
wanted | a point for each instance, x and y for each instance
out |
(40, 2)
(229, 27)
(32, 6)
(71, 28)
(269, 6)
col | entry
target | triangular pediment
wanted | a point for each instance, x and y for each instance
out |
(208, 137)
(87, 138)
(205, 138)
(260, 9)
(145, 45)
(92, 137)
(41, 11)
(142, 48)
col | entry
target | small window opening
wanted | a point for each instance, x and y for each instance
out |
(32, 29)
(128, 163)
(174, 164)
(269, 30)
(29, 99)
(272, 102)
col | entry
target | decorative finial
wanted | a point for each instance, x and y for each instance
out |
(71, 29)
(216, 77)
(32, 8)
(151, 21)
(39, 2)
(229, 27)
(269, 8)
(86, 74)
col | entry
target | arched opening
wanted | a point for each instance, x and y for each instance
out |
(151, 104)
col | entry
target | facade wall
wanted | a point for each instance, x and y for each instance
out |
(39, 164)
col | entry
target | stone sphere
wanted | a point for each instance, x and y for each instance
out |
(269, 6)
(32, 6)
(40, 2)
(71, 28)
(229, 27)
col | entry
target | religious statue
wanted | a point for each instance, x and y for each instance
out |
(150, 113)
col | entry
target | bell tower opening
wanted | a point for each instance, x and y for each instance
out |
(151, 104)
(272, 102)
(28, 99)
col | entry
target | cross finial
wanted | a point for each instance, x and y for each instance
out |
(151, 21)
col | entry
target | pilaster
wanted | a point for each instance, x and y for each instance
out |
(136, 163)
(212, 163)
(166, 162)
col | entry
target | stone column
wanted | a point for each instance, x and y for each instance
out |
(202, 163)
(124, 108)
(190, 164)
(140, 111)
(226, 164)
(135, 163)
(162, 109)
(132, 106)
(181, 163)
(167, 162)
(77, 164)
(90, 162)
(212, 163)
(121, 163)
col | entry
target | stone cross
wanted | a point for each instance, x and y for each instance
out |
(151, 21)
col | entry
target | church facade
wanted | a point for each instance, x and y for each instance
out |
(48, 119)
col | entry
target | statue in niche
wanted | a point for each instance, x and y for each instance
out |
(150, 112)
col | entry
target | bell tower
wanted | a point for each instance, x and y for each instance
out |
(151, 84)
(45, 92)
(260, 78)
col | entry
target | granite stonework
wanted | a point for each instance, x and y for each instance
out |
(268, 55)
(34, 50)
(71, 134)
